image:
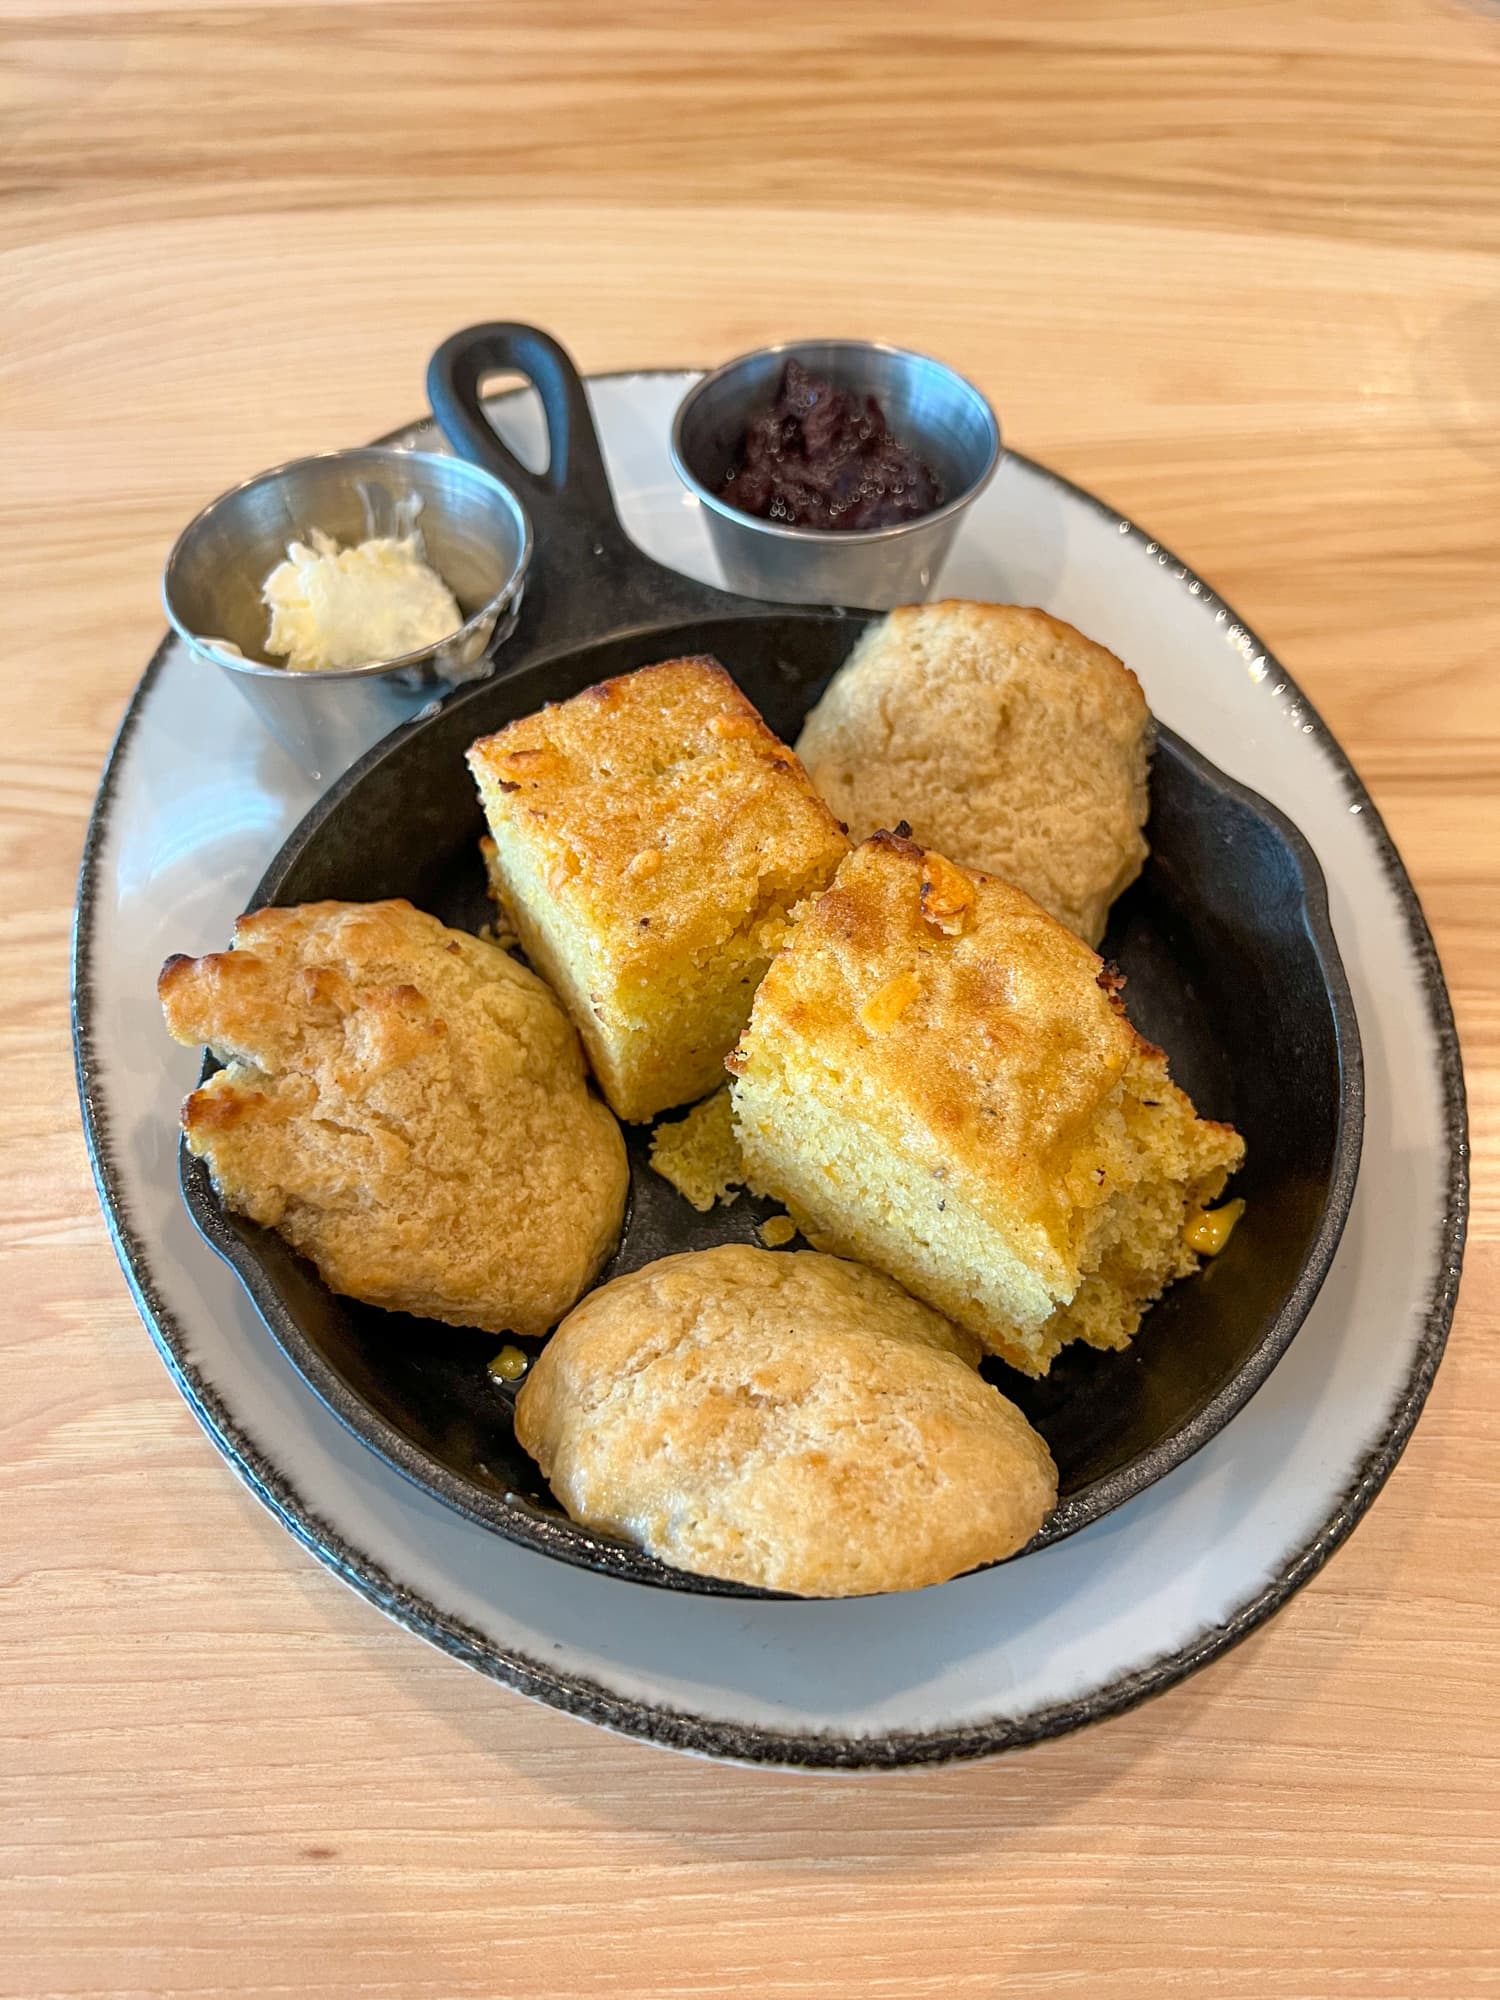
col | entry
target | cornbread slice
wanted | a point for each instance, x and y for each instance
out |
(651, 839)
(789, 1421)
(1004, 738)
(408, 1106)
(940, 1080)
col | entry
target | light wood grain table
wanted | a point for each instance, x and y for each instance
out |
(1237, 268)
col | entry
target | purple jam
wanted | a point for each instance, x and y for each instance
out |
(822, 457)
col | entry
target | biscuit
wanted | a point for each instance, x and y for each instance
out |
(784, 1420)
(1004, 739)
(940, 1080)
(407, 1106)
(650, 838)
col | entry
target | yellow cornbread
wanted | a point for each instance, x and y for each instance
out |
(776, 1230)
(699, 1154)
(651, 837)
(939, 1080)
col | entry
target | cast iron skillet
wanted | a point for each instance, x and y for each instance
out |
(1225, 941)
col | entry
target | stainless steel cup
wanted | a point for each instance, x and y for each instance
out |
(942, 417)
(477, 537)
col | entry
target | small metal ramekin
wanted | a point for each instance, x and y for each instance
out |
(943, 419)
(476, 535)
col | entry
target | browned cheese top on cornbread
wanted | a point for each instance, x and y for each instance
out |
(1004, 738)
(668, 812)
(792, 1421)
(956, 1019)
(408, 1106)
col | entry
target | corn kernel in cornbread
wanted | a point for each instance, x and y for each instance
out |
(651, 837)
(939, 1080)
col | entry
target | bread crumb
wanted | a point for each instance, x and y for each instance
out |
(776, 1230)
(700, 1155)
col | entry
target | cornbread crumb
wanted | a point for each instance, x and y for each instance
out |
(700, 1155)
(407, 1106)
(652, 838)
(790, 1421)
(776, 1230)
(1009, 741)
(1004, 1143)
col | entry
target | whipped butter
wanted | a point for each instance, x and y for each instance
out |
(333, 607)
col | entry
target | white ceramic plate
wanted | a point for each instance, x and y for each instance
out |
(194, 803)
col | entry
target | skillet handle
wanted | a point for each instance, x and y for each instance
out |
(589, 580)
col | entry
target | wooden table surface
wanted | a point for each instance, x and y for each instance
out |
(1236, 267)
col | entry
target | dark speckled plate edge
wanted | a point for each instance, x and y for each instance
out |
(582, 1696)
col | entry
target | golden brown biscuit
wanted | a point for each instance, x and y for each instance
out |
(408, 1106)
(1004, 739)
(940, 1080)
(790, 1421)
(650, 837)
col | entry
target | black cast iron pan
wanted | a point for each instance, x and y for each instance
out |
(1225, 941)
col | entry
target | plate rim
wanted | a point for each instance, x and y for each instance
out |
(675, 1728)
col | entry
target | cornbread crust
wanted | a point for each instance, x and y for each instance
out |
(940, 1080)
(500, 930)
(786, 1420)
(407, 1106)
(651, 838)
(1004, 738)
